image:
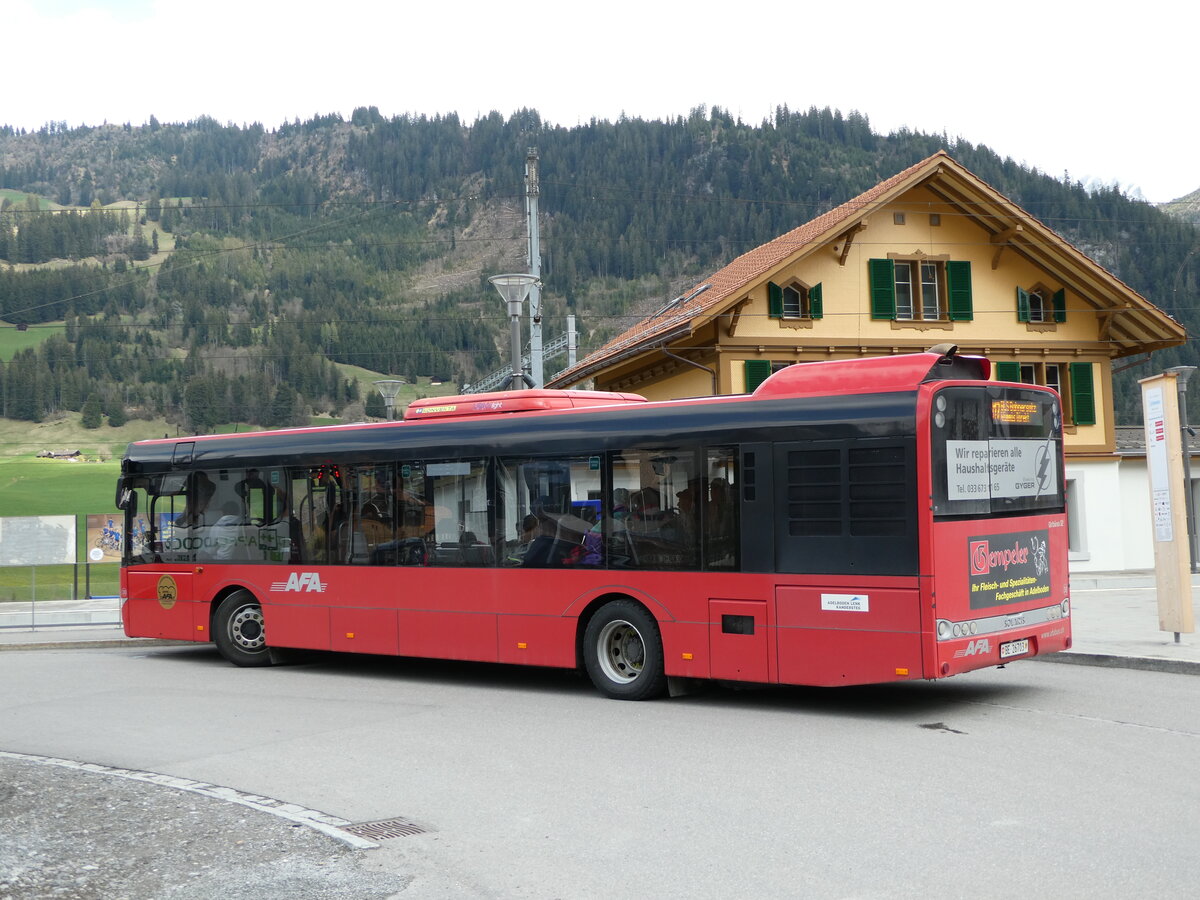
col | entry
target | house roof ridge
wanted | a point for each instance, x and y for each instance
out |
(757, 261)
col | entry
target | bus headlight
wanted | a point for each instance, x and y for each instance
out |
(1066, 607)
(943, 629)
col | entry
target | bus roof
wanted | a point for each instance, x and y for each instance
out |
(536, 400)
(875, 374)
(487, 421)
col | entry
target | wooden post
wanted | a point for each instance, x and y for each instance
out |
(1168, 507)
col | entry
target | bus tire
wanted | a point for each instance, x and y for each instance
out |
(238, 630)
(623, 653)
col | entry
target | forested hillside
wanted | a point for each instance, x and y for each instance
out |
(208, 273)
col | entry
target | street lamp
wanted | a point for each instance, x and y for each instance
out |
(1182, 374)
(514, 289)
(389, 388)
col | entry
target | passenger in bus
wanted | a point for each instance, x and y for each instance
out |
(646, 506)
(588, 551)
(545, 550)
(620, 507)
(252, 482)
(719, 524)
(374, 527)
(200, 494)
(227, 530)
(686, 524)
(294, 549)
(515, 552)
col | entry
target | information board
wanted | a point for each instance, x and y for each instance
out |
(37, 540)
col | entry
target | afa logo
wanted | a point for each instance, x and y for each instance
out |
(300, 582)
(167, 591)
(975, 648)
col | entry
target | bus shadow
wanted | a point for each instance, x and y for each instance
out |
(894, 702)
(897, 701)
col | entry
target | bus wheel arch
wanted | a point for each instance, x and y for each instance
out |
(238, 629)
(621, 648)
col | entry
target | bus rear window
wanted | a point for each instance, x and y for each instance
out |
(996, 450)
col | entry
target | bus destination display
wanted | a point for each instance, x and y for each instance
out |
(1016, 412)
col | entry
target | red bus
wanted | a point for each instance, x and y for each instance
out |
(849, 522)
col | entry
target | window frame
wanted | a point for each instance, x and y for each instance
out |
(1051, 307)
(809, 304)
(951, 284)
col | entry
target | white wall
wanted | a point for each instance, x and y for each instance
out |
(1113, 497)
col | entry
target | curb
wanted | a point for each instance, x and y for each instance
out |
(330, 826)
(1112, 661)
(97, 644)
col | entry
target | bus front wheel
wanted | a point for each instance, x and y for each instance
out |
(238, 630)
(622, 650)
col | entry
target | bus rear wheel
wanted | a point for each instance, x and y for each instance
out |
(239, 632)
(623, 654)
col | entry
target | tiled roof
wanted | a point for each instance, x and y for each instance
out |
(1130, 438)
(723, 284)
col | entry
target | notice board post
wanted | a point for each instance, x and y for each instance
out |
(1168, 505)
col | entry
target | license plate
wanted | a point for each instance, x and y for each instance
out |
(1014, 648)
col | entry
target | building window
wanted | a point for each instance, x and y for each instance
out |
(1074, 384)
(898, 218)
(794, 301)
(1039, 304)
(756, 371)
(1052, 376)
(1077, 545)
(935, 218)
(919, 293)
(930, 290)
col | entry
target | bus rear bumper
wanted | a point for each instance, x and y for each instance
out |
(996, 640)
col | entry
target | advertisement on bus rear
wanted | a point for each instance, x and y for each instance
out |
(1009, 568)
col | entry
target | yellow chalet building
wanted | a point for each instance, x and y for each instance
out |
(932, 255)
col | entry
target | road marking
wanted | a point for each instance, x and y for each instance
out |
(311, 818)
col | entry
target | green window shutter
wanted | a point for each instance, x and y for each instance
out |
(774, 300)
(1008, 371)
(1060, 306)
(757, 371)
(883, 288)
(816, 308)
(1022, 305)
(958, 291)
(1083, 394)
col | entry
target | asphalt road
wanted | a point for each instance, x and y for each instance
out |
(1069, 781)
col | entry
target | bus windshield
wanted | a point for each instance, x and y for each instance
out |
(996, 450)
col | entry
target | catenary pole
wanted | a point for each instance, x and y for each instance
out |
(536, 365)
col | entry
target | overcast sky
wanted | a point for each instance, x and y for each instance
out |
(1103, 90)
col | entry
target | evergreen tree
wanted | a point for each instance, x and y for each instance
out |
(92, 416)
(375, 407)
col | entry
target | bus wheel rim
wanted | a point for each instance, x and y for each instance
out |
(621, 651)
(246, 628)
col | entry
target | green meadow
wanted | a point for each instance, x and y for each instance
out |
(13, 341)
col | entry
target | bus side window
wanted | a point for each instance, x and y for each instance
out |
(663, 491)
(546, 514)
(461, 534)
(721, 533)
